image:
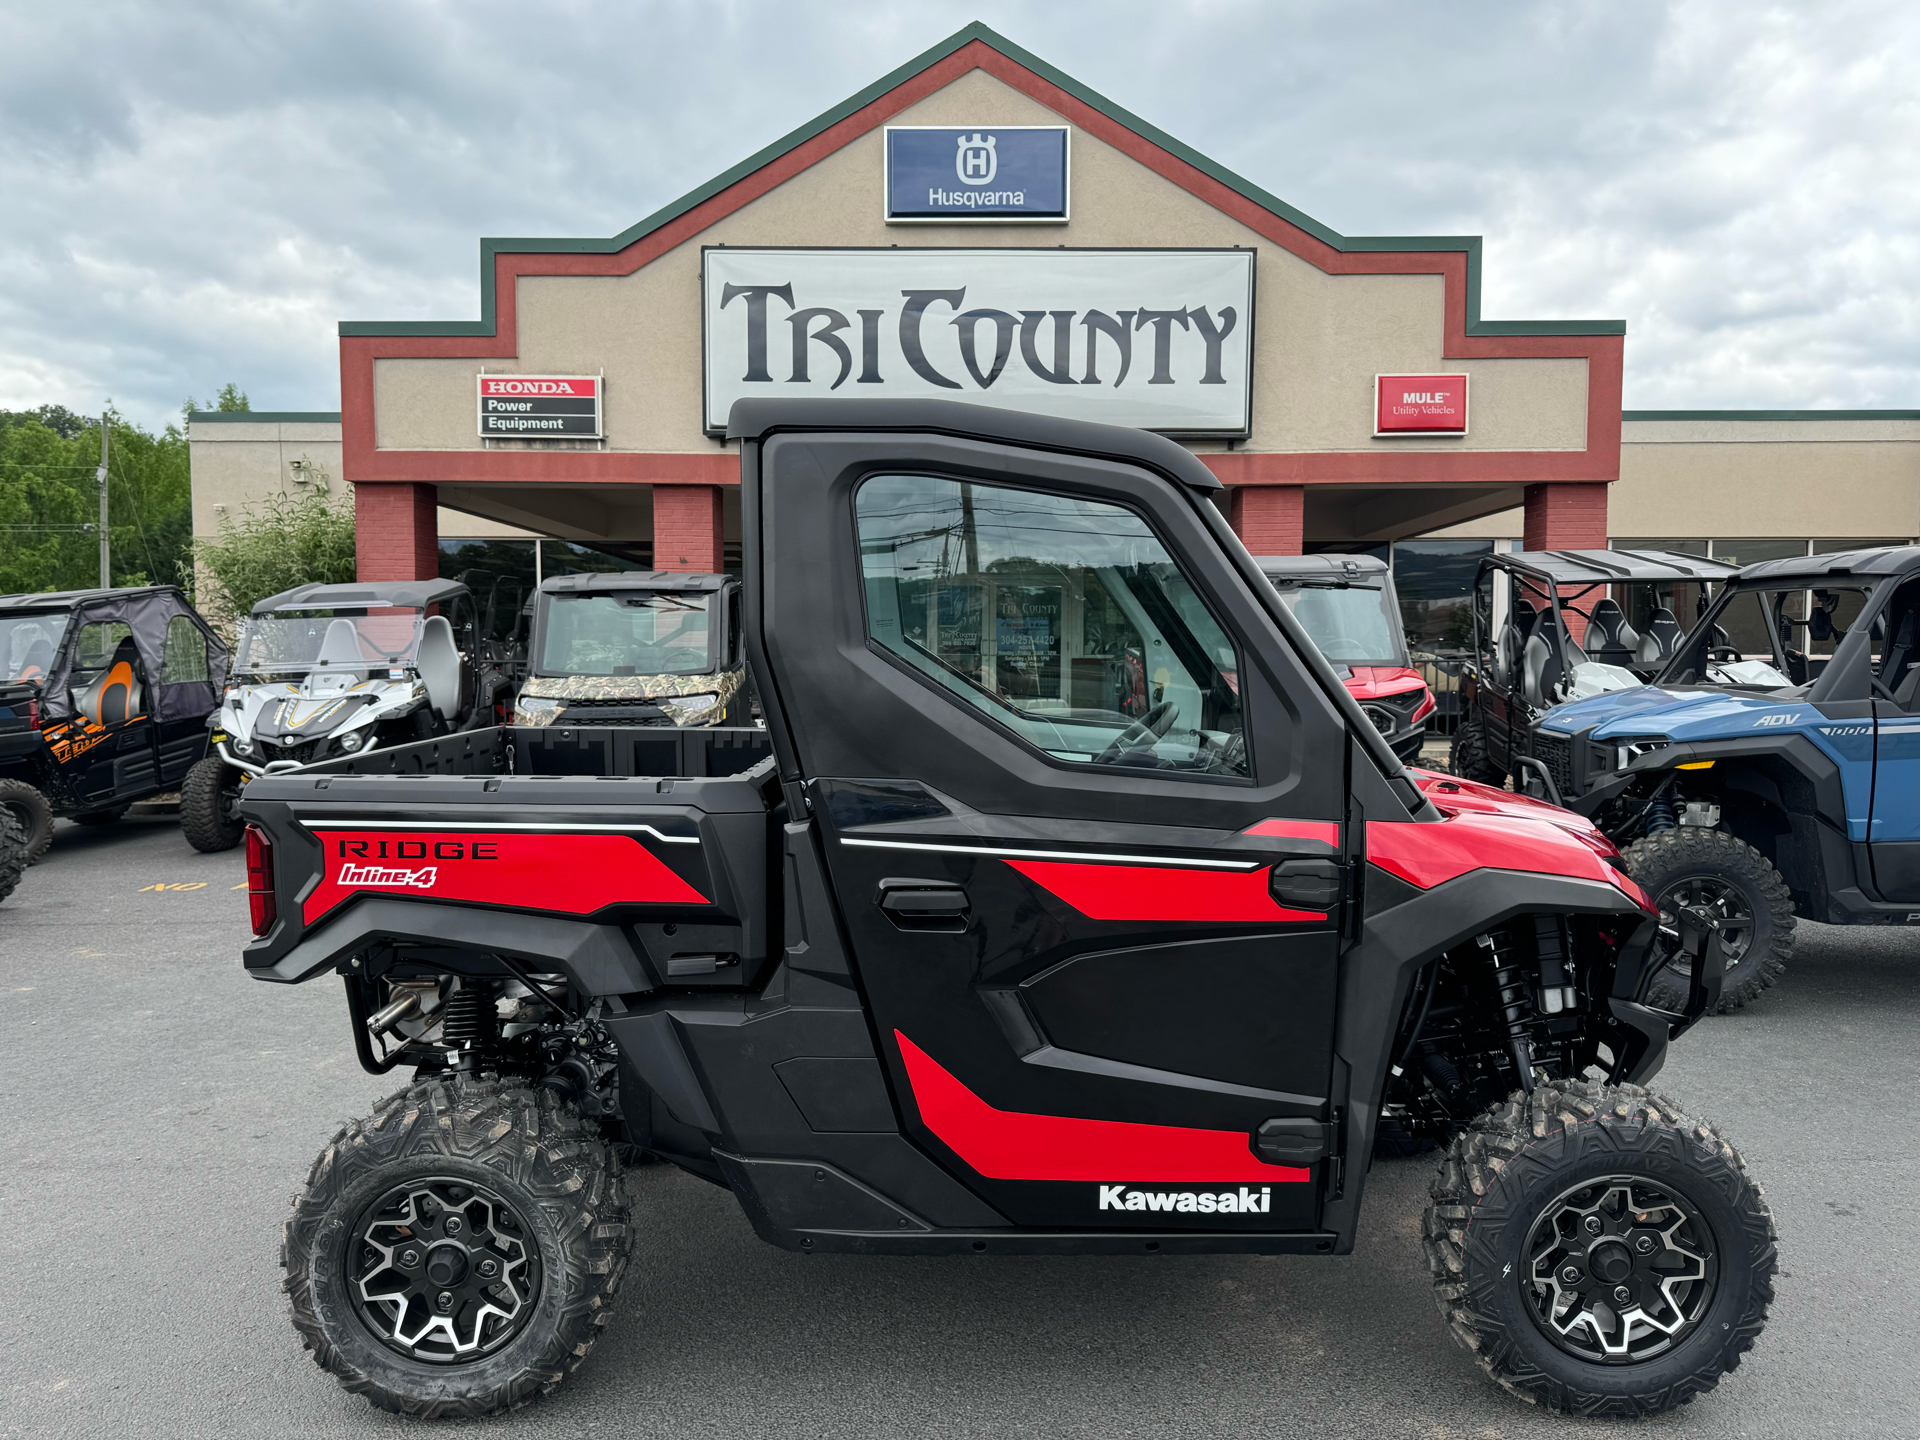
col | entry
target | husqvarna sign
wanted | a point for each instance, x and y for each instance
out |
(977, 172)
(1158, 339)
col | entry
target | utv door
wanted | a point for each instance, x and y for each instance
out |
(183, 701)
(1056, 747)
(107, 751)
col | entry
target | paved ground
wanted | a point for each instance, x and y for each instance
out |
(160, 1109)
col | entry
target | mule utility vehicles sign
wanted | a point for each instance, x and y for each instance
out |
(1141, 934)
(540, 407)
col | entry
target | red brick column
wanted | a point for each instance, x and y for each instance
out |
(396, 531)
(687, 534)
(1269, 518)
(1567, 517)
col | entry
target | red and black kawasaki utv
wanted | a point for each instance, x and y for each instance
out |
(982, 961)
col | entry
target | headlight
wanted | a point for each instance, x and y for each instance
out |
(242, 746)
(537, 704)
(695, 703)
(353, 740)
(1627, 752)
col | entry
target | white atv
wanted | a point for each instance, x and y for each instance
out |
(324, 671)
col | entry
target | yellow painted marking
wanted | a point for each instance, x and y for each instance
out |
(241, 887)
(176, 886)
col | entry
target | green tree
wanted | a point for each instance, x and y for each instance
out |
(285, 541)
(50, 501)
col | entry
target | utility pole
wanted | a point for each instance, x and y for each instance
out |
(106, 430)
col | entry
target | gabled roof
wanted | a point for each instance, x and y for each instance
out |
(976, 33)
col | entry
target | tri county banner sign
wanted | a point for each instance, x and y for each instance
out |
(1158, 339)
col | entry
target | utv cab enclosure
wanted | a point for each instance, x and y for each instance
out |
(109, 692)
(1346, 604)
(622, 648)
(989, 957)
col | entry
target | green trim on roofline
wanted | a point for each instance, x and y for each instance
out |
(267, 417)
(487, 325)
(1627, 415)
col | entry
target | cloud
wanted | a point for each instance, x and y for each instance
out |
(196, 194)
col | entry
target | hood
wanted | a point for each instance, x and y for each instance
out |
(1677, 714)
(1371, 682)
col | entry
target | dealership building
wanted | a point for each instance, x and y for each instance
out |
(979, 226)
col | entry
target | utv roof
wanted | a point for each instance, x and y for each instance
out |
(757, 419)
(1326, 566)
(611, 580)
(1882, 560)
(69, 599)
(1573, 566)
(411, 593)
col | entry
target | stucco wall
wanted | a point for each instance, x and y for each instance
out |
(1320, 339)
(236, 464)
(1778, 479)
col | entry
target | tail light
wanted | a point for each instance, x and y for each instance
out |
(33, 713)
(260, 896)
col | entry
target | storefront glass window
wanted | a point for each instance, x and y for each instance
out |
(1435, 580)
(1835, 547)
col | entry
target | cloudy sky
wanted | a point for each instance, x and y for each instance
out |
(196, 193)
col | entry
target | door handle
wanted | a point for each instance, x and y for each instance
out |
(922, 905)
(1309, 884)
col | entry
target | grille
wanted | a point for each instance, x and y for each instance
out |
(1556, 753)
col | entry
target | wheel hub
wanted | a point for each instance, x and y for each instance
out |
(1729, 910)
(1619, 1270)
(443, 1271)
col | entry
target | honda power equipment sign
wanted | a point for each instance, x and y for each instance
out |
(977, 172)
(1420, 405)
(1158, 339)
(541, 407)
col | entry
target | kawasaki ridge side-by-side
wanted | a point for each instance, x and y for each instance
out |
(988, 959)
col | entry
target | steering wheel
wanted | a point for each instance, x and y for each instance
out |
(1723, 653)
(1152, 726)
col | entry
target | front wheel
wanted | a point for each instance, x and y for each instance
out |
(210, 806)
(1710, 870)
(457, 1253)
(1600, 1253)
(1468, 757)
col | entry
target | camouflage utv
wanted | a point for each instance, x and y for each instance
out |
(625, 648)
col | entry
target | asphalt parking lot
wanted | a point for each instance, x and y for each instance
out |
(160, 1108)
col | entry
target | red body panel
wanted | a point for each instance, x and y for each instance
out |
(1484, 828)
(1159, 893)
(572, 872)
(1015, 1146)
(1372, 682)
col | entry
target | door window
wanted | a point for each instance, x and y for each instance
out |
(1062, 618)
(184, 658)
(94, 646)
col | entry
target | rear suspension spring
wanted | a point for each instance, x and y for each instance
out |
(1511, 980)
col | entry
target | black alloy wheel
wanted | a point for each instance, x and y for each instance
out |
(1730, 881)
(1620, 1270)
(443, 1271)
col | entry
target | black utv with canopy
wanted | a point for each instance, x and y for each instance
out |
(1526, 660)
(104, 696)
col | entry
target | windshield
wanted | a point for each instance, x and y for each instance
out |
(1352, 624)
(357, 638)
(627, 633)
(28, 643)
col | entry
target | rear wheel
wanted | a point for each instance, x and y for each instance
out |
(1468, 757)
(1598, 1251)
(1712, 871)
(457, 1253)
(210, 806)
(13, 853)
(33, 811)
